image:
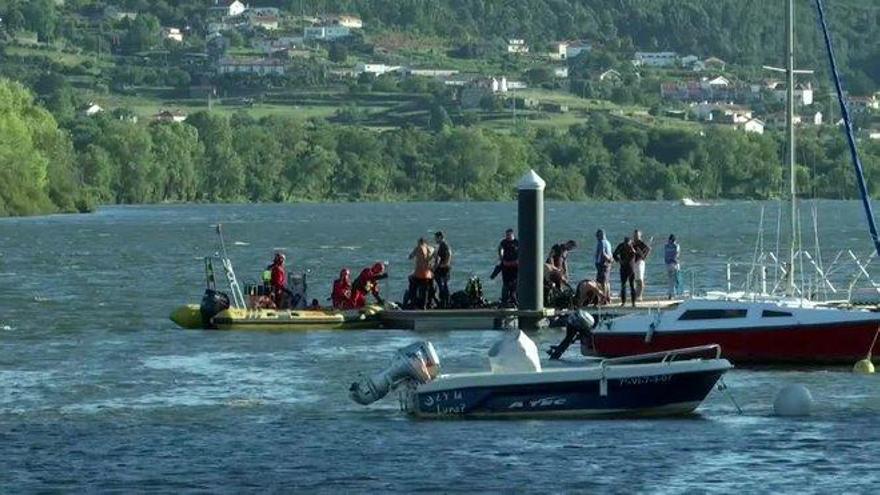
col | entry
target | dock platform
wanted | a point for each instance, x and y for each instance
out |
(502, 318)
(458, 319)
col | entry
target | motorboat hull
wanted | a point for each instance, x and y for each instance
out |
(829, 343)
(657, 389)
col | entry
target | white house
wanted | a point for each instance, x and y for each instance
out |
(375, 69)
(267, 22)
(517, 46)
(169, 116)
(92, 109)
(864, 103)
(610, 75)
(656, 59)
(326, 32)
(873, 133)
(803, 93)
(560, 72)
(440, 73)
(349, 21)
(172, 33)
(558, 50)
(575, 48)
(730, 114)
(250, 66)
(754, 125)
(275, 45)
(689, 60)
(717, 82)
(228, 8)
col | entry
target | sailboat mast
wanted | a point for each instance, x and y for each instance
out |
(789, 123)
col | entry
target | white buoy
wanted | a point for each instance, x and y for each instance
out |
(793, 400)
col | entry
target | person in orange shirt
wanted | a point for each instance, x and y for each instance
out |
(421, 281)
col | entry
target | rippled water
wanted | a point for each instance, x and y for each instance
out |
(99, 391)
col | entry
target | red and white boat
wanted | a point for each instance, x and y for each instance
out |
(748, 331)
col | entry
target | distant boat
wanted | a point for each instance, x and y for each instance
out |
(691, 202)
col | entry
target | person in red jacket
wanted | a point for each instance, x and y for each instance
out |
(278, 280)
(367, 283)
(341, 295)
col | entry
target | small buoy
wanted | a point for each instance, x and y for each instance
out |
(865, 366)
(793, 400)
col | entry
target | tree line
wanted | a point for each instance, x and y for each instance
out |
(108, 158)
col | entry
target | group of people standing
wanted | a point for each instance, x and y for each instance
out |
(631, 254)
(432, 267)
(429, 280)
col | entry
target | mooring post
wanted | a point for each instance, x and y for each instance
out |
(530, 223)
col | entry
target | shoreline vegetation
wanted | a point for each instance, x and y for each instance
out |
(146, 102)
(238, 158)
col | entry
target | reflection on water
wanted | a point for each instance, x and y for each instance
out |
(99, 391)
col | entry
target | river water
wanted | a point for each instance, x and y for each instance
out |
(99, 391)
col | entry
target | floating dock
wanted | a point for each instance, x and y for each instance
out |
(459, 319)
(501, 319)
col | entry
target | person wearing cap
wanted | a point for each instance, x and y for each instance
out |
(603, 259)
(442, 268)
(367, 283)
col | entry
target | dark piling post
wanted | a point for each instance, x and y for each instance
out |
(530, 226)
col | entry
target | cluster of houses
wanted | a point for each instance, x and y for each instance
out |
(233, 14)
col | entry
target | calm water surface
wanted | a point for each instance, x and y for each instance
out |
(99, 391)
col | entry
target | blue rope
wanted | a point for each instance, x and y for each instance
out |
(844, 110)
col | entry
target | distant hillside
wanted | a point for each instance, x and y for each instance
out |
(747, 32)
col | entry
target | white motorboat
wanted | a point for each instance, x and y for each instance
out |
(669, 383)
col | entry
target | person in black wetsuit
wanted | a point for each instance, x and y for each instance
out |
(556, 265)
(625, 254)
(442, 269)
(508, 258)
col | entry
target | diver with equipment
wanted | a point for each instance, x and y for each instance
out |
(368, 283)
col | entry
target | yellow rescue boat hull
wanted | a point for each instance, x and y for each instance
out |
(289, 319)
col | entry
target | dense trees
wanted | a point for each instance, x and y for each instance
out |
(212, 157)
(35, 156)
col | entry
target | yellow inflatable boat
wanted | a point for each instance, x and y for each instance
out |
(190, 316)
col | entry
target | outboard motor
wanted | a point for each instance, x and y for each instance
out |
(416, 362)
(577, 327)
(213, 302)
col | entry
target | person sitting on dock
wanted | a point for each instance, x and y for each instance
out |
(508, 265)
(625, 254)
(421, 281)
(642, 251)
(341, 295)
(671, 252)
(367, 283)
(603, 259)
(442, 269)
